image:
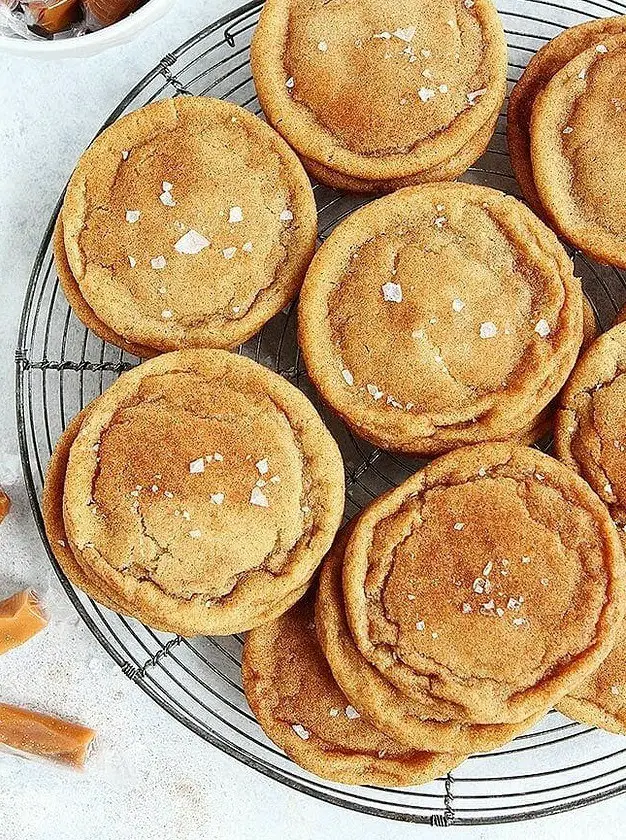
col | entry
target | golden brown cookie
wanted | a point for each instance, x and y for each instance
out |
(542, 425)
(590, 427)
(601, 699)
(84, 577)
(493, 579)
(419, 723)
(79, 305)
(295, 698)
(543, 66)
(188, 223)
(440, 315)
(432, 74)
(579, 169)
(204, 489)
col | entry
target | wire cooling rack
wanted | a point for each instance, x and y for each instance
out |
(61, 367)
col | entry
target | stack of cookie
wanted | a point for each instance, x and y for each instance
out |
(566, 133)
(376, 96)
(459, 609)
(198, 494)
(188, 223)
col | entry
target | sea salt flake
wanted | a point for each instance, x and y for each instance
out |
(196, 466)
(229, 253)
(132, 261)
(258, 498)
(479, 586)
(482, 472)
(286, 216)
(426, 53)
(583, 73)
(374, 392)
(195, 534)
(217, 498)
(191, 242)
(467, 608)
(468, 4)
(158, 263)
(518, 622)
(513, 604)
(420, 625)
(443, 88)
(615, 689)
(167, 199)
(418, 334)
(542, 328)
(347, 376)
(526, 559)
(475, 94)
(167, 313)
(218, 456)
(488, 329)
(235, 215)
(392, 292)
(458, 305)
(601, 49)
(427, 74)
(247, 247)
(440, 222)
(301, 732)
(425, 94)
(608, 488)
(352, 713)
(487, 569)
(262, 466)
(289, 84)
(322, 46)
(458, 526)
(133, 216)
(334, 711)
(125, 154)
(406, 34)
(384, 36)
(568, 130)
(275, 479)
(411, 597)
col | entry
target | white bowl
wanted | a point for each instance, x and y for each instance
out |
(94, 42)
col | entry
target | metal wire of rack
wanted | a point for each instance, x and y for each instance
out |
(61, 366)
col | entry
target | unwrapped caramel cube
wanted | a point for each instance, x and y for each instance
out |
(5, 504)
(45, 736)
(21, 617)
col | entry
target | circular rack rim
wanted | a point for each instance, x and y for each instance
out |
(446, 814)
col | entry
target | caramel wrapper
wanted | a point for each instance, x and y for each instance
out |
(21, 617)
(54, 16)
(45, 736)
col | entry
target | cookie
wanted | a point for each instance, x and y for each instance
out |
(493, 579)
(188, 223)
(601, 699)
(79, 305)
(578, 169)
(83, 577)
(542, 425)
(543, 66)
(203, 489)
(441, 315)
(419, 723)
(295, 698)
(590, 427)
(433, 75)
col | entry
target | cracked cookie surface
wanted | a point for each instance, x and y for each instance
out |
(433, 74)
(415, 721)
(188, 223)
(493, 579)
(295, 698)
(441, 315)
(204, 489)
(579, 170)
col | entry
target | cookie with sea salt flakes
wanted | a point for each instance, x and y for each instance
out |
(518, 575)
(375, 94)
(543, 66)
(579, 169)
(417, 722)
(188, 223)
(203, 489)
(84, 577)
(440, 315)
(295, 698)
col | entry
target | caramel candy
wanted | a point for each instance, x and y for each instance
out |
(5, 504)
(54, 17)
(107, 12)
(21, 617)
(45, 735)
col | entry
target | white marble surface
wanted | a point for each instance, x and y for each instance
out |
(151, 778)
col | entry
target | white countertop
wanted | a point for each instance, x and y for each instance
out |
(150, 778)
